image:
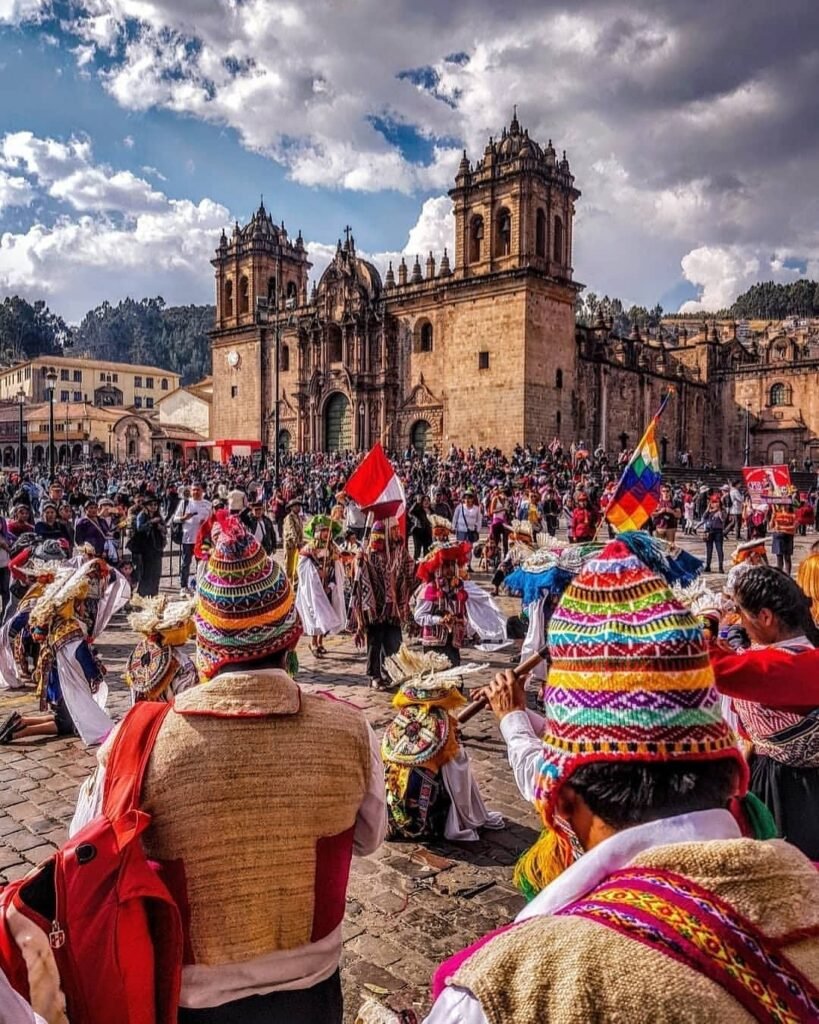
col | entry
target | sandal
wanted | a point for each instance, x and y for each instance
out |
(9, 726)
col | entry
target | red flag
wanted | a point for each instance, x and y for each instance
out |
(376, 488)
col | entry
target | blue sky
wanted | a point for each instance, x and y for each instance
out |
(131, 131)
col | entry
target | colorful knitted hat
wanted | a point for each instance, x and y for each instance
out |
(246, 606)
(630, 680)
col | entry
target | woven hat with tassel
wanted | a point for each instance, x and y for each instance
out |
(246, 605)
(630, 680)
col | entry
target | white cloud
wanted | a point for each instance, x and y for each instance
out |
(14, 12)
(128, 142)
(129, 238)
(678, 150)
(76, 264)
(724, 272)
(67, 172)
(14, 191)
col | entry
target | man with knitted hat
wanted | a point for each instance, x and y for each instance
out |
(261, 793)
(647, 903)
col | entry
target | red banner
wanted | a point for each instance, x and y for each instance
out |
(768, 485)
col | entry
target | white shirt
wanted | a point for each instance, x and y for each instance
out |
(466, 518)
(199, 510)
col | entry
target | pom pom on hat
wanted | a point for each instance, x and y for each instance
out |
(246, 605)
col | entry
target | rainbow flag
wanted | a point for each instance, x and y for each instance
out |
(638, 492)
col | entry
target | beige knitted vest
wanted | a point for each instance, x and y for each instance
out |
(574, 971)
(247, 774)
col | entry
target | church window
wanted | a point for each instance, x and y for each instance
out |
(780, 394)
(558, 418)
(228, 298)
(558, 378)
(540, 234)
(475, 239)
(558, 241)
(292, 294)
(425, 337)
(285, 359)
(244, 296)
(483, 360)
(334, 344)
(271, 291)
(780, 352)
(503, 242)
(234, 391)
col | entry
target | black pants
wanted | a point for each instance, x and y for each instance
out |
(185, 565)
(713, 542)
(383, 640)
(151, 574)
(5, 594)
(321, 1004)
(420, 545)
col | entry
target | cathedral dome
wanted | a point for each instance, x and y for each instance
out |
(348, 268)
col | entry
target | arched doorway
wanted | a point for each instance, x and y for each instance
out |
(8, 456)
(39, 453)
(285, 440)
(338, 423)
(63, 455)
(419, 435)
(76, 453)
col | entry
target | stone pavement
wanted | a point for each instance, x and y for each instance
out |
(408, 905)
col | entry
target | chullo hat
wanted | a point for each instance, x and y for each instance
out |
(630, 681)
(246, 605)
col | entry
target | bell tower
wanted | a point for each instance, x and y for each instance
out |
(261, 278)
(259, 261)
(514, 208)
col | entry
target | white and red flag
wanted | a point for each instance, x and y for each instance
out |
(376, 488)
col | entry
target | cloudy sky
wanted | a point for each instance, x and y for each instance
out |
(132, 131)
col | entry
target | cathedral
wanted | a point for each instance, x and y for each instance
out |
(480, 346)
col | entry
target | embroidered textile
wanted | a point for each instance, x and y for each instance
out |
(670, 913)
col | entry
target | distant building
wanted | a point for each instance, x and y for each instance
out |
(95, 381)
(484, 349)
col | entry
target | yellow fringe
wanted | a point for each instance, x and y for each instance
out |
(547, 858)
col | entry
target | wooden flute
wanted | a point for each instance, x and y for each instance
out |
(523, 670)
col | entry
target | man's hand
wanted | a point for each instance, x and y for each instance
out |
(505, 694)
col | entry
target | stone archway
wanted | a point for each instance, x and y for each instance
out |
(285, 441)
(338, 423)
(420, 435)
(8, 456)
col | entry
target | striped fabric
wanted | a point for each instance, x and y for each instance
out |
(630, 677)
(246, 605)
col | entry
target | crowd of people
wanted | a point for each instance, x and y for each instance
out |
(675, 735)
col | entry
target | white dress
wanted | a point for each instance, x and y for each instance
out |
(320, 614)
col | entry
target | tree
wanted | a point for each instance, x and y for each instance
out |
(28, 330)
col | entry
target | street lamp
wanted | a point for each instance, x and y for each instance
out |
(747, 461)
(361, 440)
(21, 455)
(51, 384)
(110, 434)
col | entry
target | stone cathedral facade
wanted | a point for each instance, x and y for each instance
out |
(478, 346)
